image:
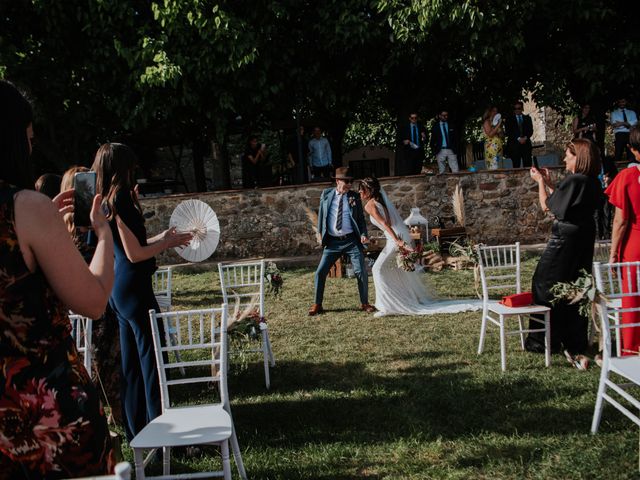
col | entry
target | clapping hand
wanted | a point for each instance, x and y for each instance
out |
(98, 219)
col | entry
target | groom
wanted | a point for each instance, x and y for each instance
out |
(342, 228)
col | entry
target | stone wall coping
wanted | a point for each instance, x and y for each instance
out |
(330, 183)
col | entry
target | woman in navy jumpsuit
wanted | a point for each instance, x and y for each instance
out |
(132, 296)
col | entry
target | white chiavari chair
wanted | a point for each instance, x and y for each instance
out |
(201, 336)
(243, 284)
(500, 270)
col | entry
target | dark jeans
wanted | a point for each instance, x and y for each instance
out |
(621, 145)
(333, 250)
(321, 171)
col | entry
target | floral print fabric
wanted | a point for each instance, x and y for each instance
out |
(51, 421)
(492, 152)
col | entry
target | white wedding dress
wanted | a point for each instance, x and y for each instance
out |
(399, 292)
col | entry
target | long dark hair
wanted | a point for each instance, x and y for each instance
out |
(16, 115)
(372, 185)
(115, 168)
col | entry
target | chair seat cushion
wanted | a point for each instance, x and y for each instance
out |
(628, 367)
(194, 425)
(500, 309)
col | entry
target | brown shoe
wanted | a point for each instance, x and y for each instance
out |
(365, 307)
(315, 309)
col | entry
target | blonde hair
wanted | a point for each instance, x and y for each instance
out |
(67, 184)
(487, 113)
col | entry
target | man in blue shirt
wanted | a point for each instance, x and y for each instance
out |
(622, 119)
(320, 155)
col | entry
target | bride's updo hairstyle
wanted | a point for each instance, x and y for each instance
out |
(372, 185)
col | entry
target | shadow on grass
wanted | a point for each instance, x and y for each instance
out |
(330, 405)
(346, 402)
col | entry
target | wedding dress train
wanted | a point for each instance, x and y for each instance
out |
(399, 292)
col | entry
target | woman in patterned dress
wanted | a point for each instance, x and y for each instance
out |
(51, 421)
(494, 138)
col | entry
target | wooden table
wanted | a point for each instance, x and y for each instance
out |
(446, 236)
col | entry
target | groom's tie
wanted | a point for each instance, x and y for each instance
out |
(339, 216)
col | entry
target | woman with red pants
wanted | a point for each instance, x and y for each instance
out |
(624, 194)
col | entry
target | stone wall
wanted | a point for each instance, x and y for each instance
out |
(500, 207)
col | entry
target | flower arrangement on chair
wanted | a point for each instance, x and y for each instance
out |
(274, 279)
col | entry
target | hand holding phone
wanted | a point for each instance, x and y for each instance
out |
(84, 185)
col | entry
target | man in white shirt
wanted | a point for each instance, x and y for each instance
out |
(622, 119)
(343, 230)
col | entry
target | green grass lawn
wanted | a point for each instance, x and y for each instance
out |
(358, 397)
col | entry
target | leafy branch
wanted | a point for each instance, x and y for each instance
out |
(582, 292)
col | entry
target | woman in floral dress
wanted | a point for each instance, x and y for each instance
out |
(494, 138)
(51, 422)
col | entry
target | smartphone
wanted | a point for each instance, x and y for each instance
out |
(535, 163)
(84, 184)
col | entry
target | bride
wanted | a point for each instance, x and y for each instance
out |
(399, 292)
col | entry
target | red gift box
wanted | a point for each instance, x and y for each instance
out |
(518, 299)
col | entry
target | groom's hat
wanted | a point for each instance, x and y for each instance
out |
(342, 173)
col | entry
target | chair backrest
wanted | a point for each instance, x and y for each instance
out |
(615, 283)
(81, 331)
(162, 287)
(243, 284)
(499, 268)
(199, 337)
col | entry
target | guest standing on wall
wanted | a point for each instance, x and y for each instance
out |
(622, 120)
(493, 137)
(413, 137)
(253, 162)
(584, 125)
(320, 155)
(443, 143)
(519, 129)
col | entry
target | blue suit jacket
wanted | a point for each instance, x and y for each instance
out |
(355, 208)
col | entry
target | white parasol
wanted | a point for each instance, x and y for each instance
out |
(198, 218)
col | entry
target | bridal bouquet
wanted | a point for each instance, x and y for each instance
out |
(407, 257)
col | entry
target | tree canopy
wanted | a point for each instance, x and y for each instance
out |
(183, 70)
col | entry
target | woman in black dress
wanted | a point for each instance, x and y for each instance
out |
(570, 247)
(253, 168)
(132, 296)
(584, 125)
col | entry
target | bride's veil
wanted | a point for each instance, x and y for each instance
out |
(395, 219)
